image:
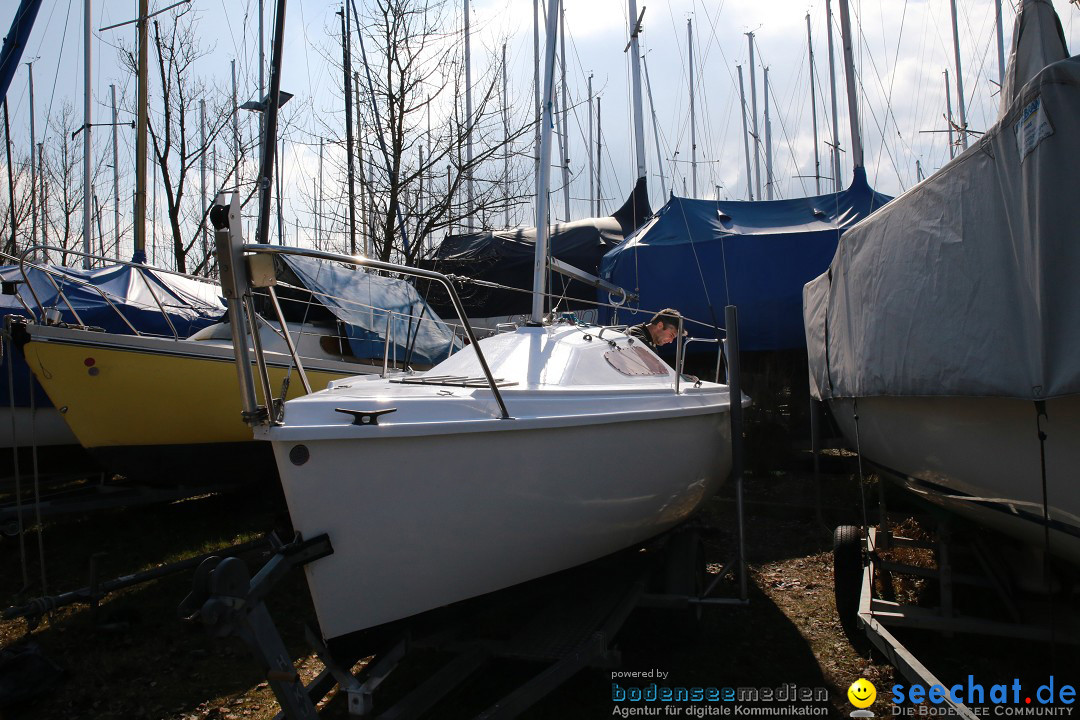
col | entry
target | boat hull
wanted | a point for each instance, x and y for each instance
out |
(161, 410)
(979, 457)
(422, 523)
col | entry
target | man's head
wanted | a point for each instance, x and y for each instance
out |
(664, 326)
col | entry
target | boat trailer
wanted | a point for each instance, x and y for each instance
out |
(561, 624)
(860, 567)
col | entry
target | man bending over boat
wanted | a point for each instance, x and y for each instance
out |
(662, 329)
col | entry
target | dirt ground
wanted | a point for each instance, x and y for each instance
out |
(131, 657)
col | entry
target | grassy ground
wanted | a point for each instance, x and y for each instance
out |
(132, 658)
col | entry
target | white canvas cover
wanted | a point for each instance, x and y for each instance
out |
(969, 283)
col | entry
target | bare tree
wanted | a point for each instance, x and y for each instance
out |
(415, 66)
(176, 133)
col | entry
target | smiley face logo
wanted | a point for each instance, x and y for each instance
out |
(862, 693)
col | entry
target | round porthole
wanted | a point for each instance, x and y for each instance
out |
(299, 454)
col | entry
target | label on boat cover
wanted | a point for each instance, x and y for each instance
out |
(1033, 127)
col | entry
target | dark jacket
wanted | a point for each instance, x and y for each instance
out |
(641, 333)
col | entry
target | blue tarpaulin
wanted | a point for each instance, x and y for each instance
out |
(361, 300)
(700, 255)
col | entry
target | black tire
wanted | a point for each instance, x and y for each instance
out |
(847, 581)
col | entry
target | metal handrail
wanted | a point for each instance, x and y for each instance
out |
(51, 272)
(361, 261)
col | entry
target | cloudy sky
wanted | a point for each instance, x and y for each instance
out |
(902, 48)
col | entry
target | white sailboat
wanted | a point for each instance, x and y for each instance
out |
(945, 336)
(524, 454)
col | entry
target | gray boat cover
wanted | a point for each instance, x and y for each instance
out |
(969, 283)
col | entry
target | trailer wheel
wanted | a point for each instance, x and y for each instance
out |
(847, 580)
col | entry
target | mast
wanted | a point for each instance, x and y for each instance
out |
(768, 142)
(115, 175)
(656, 129)
(693, 122)
(33, 165)
(959, 77)
(536, 93)
(11, 178)
(948, 115)
(745, 137)
(753, 116)
(142, 103)
(837, 185)
(468, 127)
(813, 108)
(849, 75)
(564, 146)
(44, 214)
(589, 145)
(1000, 44)
(269, 144)
(635, 74)
(262, 53)
(347, 63)
(319, 199)
(236, 129)
(599, 151)
(202, 185)
(540, 259)
(87, 152)
(506, 150)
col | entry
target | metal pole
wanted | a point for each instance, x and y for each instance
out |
(536, 93)
(87, 237)
(540, 259)
(115, 175)
(693, 121)
(564, 144)
(588, 152)
(745, 138)
(849, 74)
(959, 77)
(768, 142)
(11, 177)
(813, 108)
(635, 73)
(753, 116)
(269, 145)
(280, 220)
(44, 209)
(142, 103)
(346, 64)
(236, 129)
(1000, 45)
(33, 165)
(262, 53)
(948, 115)
(319, 197)
(731, 324)
(655, 127)
(599, 151)
(202, 186)
(837, 185)
(468, 126)
(506, 150)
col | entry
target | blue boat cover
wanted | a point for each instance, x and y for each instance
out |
(700, 255)
(361, 300)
